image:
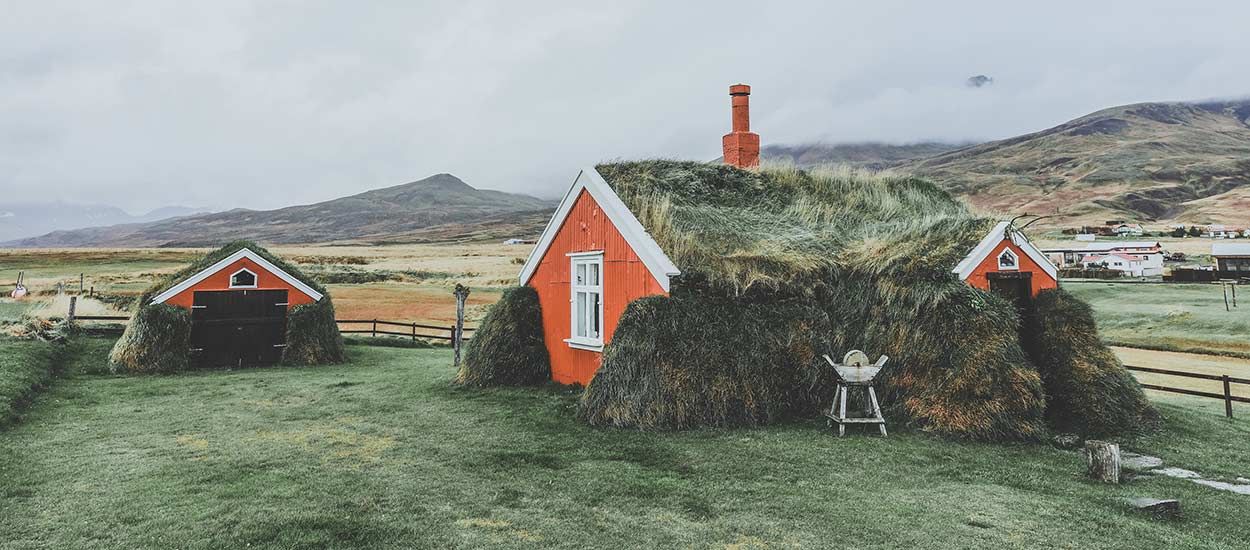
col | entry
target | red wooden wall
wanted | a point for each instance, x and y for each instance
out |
(1041, 280)
(625, 278)
(220, 280)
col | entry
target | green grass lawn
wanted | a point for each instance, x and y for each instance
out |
(1172, 317)
(383, 453)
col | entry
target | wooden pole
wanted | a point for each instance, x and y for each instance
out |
(375, 328)
(1103, 460)
(462, 294)
(80, 281)
(1234, 288)
(1228, 398)
(414, 333)
(73, 304)
(1225, 288)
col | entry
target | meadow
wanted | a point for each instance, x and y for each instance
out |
(396, 282)
(1168, 317)
(385, 453)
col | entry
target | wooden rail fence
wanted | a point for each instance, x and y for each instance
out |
(376, 327)
(1228, 381)
(379, 326)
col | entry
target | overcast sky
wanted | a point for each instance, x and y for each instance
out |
(265, 104)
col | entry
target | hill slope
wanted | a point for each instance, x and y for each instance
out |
(435, 208)
(1148, 161)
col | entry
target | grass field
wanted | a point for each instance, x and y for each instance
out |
(485, 267)
(384, 453)
(1171, 317)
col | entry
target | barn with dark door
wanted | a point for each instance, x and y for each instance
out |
(239, 306)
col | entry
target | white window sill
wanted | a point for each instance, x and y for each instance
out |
(588, 345)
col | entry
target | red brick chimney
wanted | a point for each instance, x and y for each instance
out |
(742, 147)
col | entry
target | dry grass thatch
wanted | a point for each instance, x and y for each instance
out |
(658, 374)
(507, 349)
(158, 337)
(1088, 390)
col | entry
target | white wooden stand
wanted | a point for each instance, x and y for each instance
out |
(855, 372)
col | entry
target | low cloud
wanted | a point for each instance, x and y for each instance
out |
(263, 105)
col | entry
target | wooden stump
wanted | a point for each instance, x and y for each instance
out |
(1104, 460)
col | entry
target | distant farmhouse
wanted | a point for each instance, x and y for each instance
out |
(1231, 259)
(1135, 259)
(1218, 231)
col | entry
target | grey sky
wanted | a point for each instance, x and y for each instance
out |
(266, 104)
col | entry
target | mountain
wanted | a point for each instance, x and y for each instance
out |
(1182, 162)
(1148, 161)
(439, 207)
(27, 219)
(874, 156)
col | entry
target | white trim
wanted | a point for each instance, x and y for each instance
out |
(586, 253)
(577, 260)
(990, 242)
(255, 279)
(224, 263)
(625, 222)
(584, 344)
(1015, 261)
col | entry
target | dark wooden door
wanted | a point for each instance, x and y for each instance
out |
(238, 328)
(1016, 287)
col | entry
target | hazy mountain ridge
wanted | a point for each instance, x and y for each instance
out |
(1186, 162)
(28, 219)
(418, 211)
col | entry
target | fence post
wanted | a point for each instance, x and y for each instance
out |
(1228, 398)
(414, 333)
(457, 332)
(73, 304)
(80, 281)
(375, 328)
(1224, 286)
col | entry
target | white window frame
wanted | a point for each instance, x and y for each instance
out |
(255, 279)
(587, 342)
(999, 260)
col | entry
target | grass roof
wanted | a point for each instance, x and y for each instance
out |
(782, 225)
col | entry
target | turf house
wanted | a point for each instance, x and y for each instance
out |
(687, 294)
(239, 305)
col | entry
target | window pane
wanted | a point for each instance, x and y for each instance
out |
(594, 274)
(594, 315)
(579, 319)
(581, 274)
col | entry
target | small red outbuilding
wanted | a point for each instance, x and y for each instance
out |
(1006, 263)
(239, 308)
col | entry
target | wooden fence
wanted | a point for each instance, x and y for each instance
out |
(378, 326)
(1228, 381)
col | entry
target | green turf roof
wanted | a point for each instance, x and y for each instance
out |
(784, 225)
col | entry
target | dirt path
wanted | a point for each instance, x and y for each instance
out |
(1188, 362)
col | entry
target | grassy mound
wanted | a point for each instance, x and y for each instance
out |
(874, 252)
(155, 341)
(507, 349)
(1088, 390)
(312, 336)
(748, 364)
(158, 337)
(26, 366)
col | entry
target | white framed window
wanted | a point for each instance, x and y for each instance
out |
(243, 278)
(586, 300)
(1008, 261)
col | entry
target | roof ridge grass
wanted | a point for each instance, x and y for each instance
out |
(780, 225)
